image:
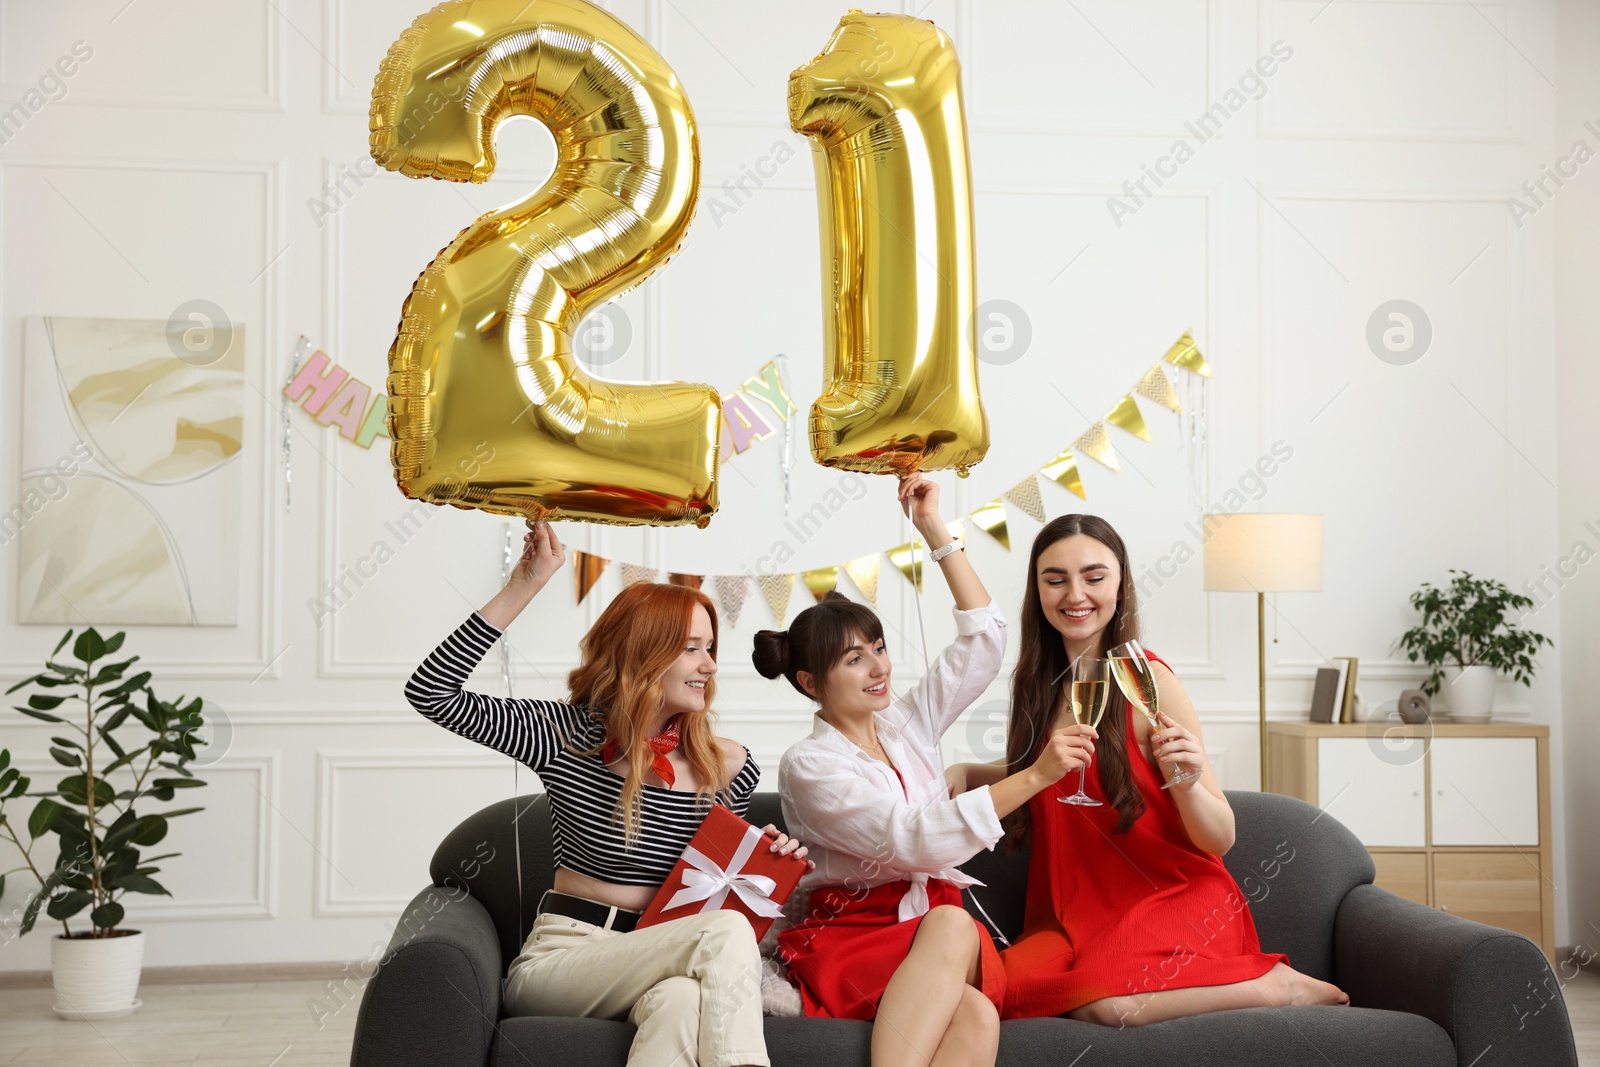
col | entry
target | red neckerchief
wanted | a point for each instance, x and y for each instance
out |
(664, 742)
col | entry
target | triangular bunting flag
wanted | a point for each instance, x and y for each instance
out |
(1096, 444)
(1126, 416)
(1064, 471)
(907, 559)
(1156, 386)
(863, 574)
(1025, 495)
(632, 573)
(776, 588)
(732, 591)
(586, 570)
(821, 580)
(1186, 355)
(991, 519)
(693, 581)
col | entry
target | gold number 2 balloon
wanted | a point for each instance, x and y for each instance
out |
(882, 104)
(488, 407)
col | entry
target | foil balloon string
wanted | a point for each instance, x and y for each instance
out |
(301, 347)
(507, 561)
(787, 459)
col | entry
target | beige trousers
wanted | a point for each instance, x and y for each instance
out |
(692, 986)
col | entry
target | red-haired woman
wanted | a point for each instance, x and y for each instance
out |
(1131, 915)
(631, 764)
(885, 936)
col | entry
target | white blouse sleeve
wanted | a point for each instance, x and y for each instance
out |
(957, 678)
(828, 801)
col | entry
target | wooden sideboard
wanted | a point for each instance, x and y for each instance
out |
(1456, 816)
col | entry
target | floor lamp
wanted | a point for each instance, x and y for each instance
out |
(1261, 554)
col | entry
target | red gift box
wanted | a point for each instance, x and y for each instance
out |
(727, 866)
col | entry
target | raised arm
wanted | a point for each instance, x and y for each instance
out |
(919, 499)
(527, 730)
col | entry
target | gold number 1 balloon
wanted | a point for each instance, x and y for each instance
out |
(488, 407)
(882, 104)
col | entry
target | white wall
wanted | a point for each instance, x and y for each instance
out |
(186, 155)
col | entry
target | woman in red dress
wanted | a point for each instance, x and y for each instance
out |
(1131, 916)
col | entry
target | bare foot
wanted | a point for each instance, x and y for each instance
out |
(1292, 987)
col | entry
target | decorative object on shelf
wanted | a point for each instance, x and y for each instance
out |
(96, 972)
(131, 489)
(1414, 706)
(1324, 694)
(1362, 711)
(1467, 641)
(1262, 553)
(882, 104)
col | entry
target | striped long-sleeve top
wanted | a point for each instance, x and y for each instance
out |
(561, 743)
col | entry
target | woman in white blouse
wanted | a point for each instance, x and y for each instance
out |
(885, 935)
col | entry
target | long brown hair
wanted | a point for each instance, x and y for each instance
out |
(1041, 675)
(625, 653)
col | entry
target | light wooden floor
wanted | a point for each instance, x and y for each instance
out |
(268, 1024)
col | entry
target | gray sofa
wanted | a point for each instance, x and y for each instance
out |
(1425, 987)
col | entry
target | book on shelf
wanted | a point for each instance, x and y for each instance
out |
(1347, 690)
(1322, 697)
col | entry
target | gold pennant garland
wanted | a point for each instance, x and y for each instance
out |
(1025, 495)
(1155, 385)
(821, 580)
(1096, 444)
(1186, 355)
(907, 559)
(863, 573)
(1126, 416)
(586, 570)
(632, 573)
(776, 588)
(1064, 470)
(991, 519)
(734, 589)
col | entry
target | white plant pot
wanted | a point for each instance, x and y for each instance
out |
(1469, 692)
(96, 977)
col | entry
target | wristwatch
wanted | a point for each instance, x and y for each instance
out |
(944, 550)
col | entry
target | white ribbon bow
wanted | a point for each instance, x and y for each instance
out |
(704, 880)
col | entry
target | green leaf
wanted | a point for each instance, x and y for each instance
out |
(120, 830)
(114, 721)
(89, 646)
(177, 783)
(69, 904)
(5, 758)
(180, 811)
(65, 758)
(40, 714)
(67, 742)
(44, 702)
(149, 830)
(25, 681)
(31, 913)
(61, 643)
(109, 914)
(114, 642)
(7, 776)
(140, 883)
(44, 814)
(118, 762)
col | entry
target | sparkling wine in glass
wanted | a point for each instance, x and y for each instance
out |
(1131, 668)
(1088, 690)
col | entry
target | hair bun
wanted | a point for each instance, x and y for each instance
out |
(771, 653)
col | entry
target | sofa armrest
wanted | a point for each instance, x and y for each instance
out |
(434, 999)
(1486, 987)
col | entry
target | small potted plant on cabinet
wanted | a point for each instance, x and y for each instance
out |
(1468, 641)
(95, 971)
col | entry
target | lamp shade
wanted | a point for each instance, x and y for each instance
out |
(1251, 553)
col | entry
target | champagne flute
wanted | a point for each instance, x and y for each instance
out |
(1088, 688)
(1131, 669)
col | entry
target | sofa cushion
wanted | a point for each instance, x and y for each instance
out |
(1270, 1037)
(1248, 1037)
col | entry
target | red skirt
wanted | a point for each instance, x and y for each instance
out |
(844, 953)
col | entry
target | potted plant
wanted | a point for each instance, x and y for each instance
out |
(95, 971)
(1467, 640)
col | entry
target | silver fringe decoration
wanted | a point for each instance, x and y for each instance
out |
(301, 347)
